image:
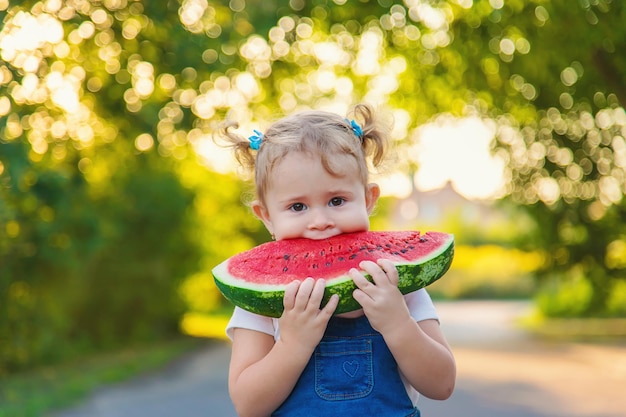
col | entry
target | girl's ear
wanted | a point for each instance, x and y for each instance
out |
(261, 212)
(372, 192)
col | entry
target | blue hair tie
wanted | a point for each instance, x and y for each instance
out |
(358, 132)
(255, 140)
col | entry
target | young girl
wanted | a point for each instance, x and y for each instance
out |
(311, 177)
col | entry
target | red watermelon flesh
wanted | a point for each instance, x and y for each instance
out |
(255, 279)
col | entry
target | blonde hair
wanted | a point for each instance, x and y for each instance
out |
(320, 133)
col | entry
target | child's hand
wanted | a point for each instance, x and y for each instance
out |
(302, 321)
(382, 301)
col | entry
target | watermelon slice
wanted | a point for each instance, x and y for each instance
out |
(255, 280)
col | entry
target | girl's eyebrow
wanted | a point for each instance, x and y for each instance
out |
(340, 192)
(292, 199)
(304, 197)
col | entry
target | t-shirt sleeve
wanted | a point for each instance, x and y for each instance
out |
(421, 306)
(246, 320)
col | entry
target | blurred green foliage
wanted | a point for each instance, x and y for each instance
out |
(104, 210)
(488, 272)
(109, 224)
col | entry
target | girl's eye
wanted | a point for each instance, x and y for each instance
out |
(297, 207)
(336, 201)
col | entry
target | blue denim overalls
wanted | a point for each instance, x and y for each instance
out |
(351, 373)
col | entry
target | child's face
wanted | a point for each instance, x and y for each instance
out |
(304, 200)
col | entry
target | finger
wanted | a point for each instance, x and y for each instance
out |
(289, 298)
(379, 277)
(390, 270)
(317, 293)
(304, 293)
(359, 279)
(361, 297)
(330, 306)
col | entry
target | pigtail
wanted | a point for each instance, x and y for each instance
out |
(244, 154)
(374, 137)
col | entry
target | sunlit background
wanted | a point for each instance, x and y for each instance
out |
(115, 201)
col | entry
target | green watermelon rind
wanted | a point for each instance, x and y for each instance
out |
(267, 300)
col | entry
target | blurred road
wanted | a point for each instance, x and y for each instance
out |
(501, 372)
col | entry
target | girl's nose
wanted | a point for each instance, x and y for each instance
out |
(320, 220)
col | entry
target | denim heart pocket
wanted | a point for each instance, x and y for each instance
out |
(351, 368)
(344, 369)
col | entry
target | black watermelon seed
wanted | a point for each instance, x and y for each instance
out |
(285, 269)
(354, 255)
(286, 257)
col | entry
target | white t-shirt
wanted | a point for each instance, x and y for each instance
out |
(419, 303)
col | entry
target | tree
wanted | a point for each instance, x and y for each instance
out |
(556, 95)
(99, 222)
(100, 98)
